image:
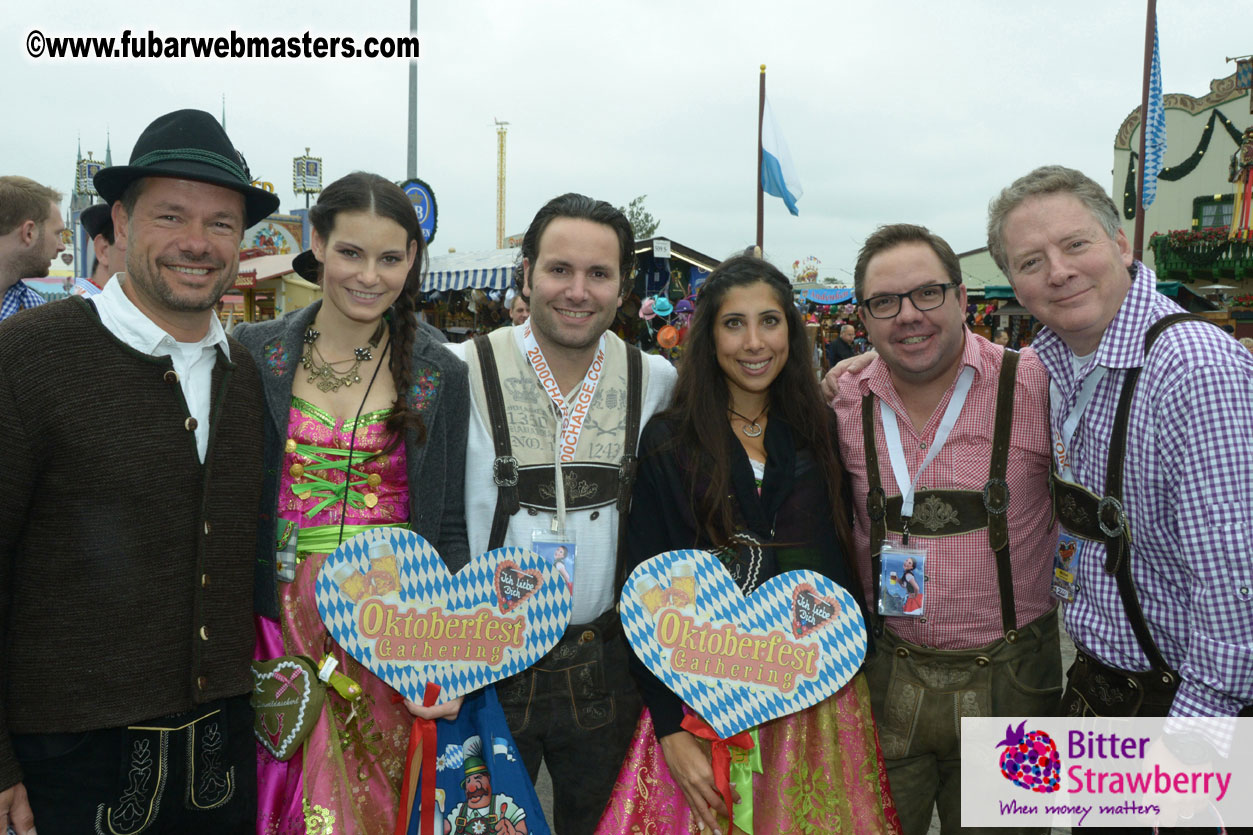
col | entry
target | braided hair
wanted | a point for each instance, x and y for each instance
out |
(364, 192)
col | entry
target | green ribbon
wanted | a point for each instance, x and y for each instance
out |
(323, 539)
(321, 459)
(744, 762)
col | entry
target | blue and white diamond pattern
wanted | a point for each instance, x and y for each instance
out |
(1154, 129)
(728, 705)
(424, 584)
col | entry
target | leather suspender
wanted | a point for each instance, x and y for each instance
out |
(995, 497)
(505, 465)
(996, 492)
(629, 465)
(1118, 544)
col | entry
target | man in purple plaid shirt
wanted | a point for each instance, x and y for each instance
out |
(30, 237)
(1187, 473)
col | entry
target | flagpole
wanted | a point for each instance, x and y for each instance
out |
(1137, 248)
(761, 199)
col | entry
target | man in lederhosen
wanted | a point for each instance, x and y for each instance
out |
(132, 438)
(560, 400)
(945, 435)
(1152, 419)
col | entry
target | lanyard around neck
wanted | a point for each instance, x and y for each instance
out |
(1063, 441)
(896, 450)
(572, 414)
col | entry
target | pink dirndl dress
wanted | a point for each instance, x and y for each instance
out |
(822, 772)
(346, 778)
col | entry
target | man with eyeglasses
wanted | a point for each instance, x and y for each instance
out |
(946, 436)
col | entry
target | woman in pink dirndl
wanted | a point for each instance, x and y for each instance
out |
(744, 465)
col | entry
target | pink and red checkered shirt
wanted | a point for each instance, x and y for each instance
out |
(963, 605)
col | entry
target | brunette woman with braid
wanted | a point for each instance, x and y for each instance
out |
(745, 464)
(367, 427)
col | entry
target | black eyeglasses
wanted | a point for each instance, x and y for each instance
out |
(888, 305)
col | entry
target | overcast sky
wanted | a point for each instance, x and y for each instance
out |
(894, 111)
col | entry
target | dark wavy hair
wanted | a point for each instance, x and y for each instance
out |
(578, 207)
(701, 400)
(364, 192)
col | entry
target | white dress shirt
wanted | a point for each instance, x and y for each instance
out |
(193, 361)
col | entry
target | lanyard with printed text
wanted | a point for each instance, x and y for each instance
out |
(1064, 440)
(572, 415)
(896, 450)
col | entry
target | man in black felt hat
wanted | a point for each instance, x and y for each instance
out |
(109, 258)
(132, 434)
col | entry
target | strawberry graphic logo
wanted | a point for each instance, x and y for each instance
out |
(1030, 759)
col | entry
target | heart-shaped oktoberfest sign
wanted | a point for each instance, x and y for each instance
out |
(387, 598)
(739, 661)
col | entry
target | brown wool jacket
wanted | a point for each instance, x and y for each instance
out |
(126, 566)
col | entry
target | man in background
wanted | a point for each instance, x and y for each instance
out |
(108, 258)
(30, 237)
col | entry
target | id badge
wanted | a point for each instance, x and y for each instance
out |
(558, 550)
(1063, 586)
(902, 583)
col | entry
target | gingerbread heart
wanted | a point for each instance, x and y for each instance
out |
(739, 661)
(287, 698)
(809, 610)
(514, 586)
(387, 598)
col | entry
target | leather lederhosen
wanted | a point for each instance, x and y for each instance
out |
(1092, 686)
(587, 485)
(940, 513)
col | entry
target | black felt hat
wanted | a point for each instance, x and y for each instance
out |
(97, 219)
(188, 145)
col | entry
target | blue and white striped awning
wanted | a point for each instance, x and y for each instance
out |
(489, 270)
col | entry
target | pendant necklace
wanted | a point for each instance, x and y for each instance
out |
(753, 428)
(323, 373)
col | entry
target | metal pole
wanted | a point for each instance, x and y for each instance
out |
(413, 96)
(1150, 21)
(761, 198)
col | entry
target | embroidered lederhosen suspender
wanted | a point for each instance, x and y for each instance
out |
(594, 485)
(951, 512)
(1102, 519)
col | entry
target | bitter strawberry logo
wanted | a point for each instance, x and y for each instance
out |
(1030, 759)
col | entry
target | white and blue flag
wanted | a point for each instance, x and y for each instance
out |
(778, 175)
(1154, 129)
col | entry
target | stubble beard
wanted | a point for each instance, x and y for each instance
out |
(33, 264)
(546, 326)
(148, 279)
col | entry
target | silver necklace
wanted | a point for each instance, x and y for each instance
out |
(752, 428)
